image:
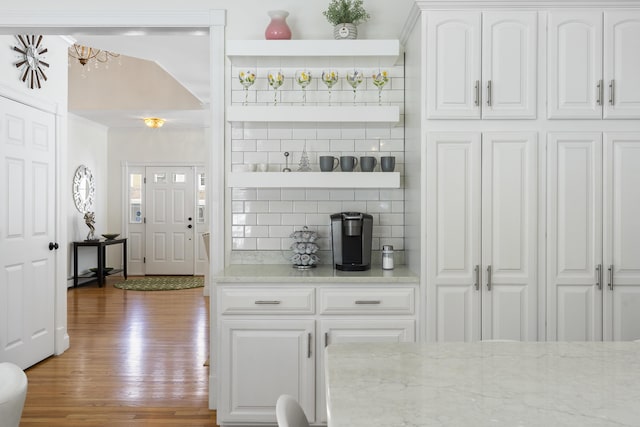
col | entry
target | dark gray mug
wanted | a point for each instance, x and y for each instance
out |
(387, 163)
(348, 163)
(368, 163)
(328, 163)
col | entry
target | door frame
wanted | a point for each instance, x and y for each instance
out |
(64, 19)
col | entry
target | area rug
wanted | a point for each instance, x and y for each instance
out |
(160, 283)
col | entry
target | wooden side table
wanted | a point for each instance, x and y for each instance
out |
(101, 246)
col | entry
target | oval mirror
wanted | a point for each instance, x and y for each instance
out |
(83, 189)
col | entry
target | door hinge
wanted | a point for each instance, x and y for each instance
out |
(144, 260)
(145, 180)
(144, 220)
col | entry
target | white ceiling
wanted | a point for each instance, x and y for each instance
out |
(185, 57)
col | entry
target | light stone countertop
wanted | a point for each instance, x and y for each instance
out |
(285, 273)
(484, 384)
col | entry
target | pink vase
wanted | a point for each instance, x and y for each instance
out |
(278, 28)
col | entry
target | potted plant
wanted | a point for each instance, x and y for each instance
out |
(345, 15)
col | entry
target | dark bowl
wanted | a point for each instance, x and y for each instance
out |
(110, 236)
(105, 269)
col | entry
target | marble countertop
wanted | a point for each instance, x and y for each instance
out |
(484, 384)
(285, 273)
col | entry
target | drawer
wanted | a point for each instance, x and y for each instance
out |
(367, 301)
(261, 300)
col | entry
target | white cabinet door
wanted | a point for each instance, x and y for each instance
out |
(361, 330)
(622, 64)
(509, 235)
(265, 358)
(574, 236)
(509, 42)
(453, 67)
(574, 87)
(453, 230)
(621, 189)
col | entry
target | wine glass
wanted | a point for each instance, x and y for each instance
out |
(380, 79)
(354, 78)
(247, 79)
(330, 78)
(303, 78)
(276, 78)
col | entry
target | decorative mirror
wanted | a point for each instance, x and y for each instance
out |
(84, 189)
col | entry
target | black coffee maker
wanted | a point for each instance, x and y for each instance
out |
(351, 240)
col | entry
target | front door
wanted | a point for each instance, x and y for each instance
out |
(170, 220)
(27, 226)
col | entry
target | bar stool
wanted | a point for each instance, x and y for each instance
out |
(13, 392)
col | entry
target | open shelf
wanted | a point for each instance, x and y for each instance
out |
(314, 179)
(337, 114)
(310, 53)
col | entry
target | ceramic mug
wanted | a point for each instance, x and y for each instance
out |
(348, 163)
(387, 163)
(368, 163)
(328, 163)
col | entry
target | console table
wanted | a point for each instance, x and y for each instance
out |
(101, 246)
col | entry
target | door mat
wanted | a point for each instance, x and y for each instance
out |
(160, 283)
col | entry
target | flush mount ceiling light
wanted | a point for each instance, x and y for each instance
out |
(84, 54)
(153, 122)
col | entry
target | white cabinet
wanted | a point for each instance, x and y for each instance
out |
(482, 236)
(593, 65)
(593, 256)
(481, 65)
(264, 359)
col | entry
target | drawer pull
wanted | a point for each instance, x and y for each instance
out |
(368, 302)
(267, 302)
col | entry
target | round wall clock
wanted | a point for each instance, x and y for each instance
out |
(32, 62)
(84, 189)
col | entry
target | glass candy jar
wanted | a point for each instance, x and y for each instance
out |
(304, 248)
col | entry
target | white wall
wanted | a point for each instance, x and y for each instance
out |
(87, 146)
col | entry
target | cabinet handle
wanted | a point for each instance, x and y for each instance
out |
(489, 94)
(599, 276)
(488, 277)
(477, 88)
(612, 92)
(610, 277)
(326, 339)
(266, 302)
(477, 283)
(309, 345)
(599, 92)
(370, 302)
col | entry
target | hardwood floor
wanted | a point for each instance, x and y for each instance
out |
(136, 358)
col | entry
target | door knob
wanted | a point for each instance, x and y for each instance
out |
(189, 226)
(53, 246)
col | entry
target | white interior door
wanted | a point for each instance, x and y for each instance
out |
(27, 226)
(170, 220)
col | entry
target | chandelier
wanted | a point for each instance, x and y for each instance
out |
(84, 54)
(153, 122)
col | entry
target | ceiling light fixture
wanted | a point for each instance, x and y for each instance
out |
(153, 122)
(84, 54)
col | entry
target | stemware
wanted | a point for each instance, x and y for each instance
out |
(380, 79)
(276, 78)
(330, 78)
(303, 78)
(354, 78)
(247, 79)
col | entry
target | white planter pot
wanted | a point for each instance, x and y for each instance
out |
(345, 31)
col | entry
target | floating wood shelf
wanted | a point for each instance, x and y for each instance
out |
(314, 179)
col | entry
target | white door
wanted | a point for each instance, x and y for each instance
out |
(575, 89)
(266, 358)
(27, 226)
(170, 220)
(509, 41)
(574, 236)
(453, 230)
(621, 194)
(453, 66)
(622, 64)
(509, 235)
(346, 331)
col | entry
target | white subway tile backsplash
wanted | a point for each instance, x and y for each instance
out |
(268, 219)
(255, 206)
(280, 206)
(293, 219)
(328, 133)
(355, 207)
(392, 194)
(268, 194)
(391, 145)
(268, 145)
(305, 206)
(367, 194)
(352, 133)
(279, 133)
(292, 194)
(392, 219)
(243, 244)
(339, 146)
(305, 133)
(281, 230)
(329, 207)
(397, 206)
(237, 206)
(255, 131)
(243, 219)
(255, 157)
(397, 231)
(317, 194)
(342, 194)
(268, 243)
(243, 193)
(370, 146)
(318, 219)
(243, 145)
(237, 231)
(256, 231)
(379, 206)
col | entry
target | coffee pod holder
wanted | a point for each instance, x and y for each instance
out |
(304, 249)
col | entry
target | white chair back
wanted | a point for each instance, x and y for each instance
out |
(13, 392)
(289, 413)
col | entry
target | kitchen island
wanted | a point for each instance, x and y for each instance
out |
(483, 384)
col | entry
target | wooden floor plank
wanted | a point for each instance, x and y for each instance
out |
(136, 359)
